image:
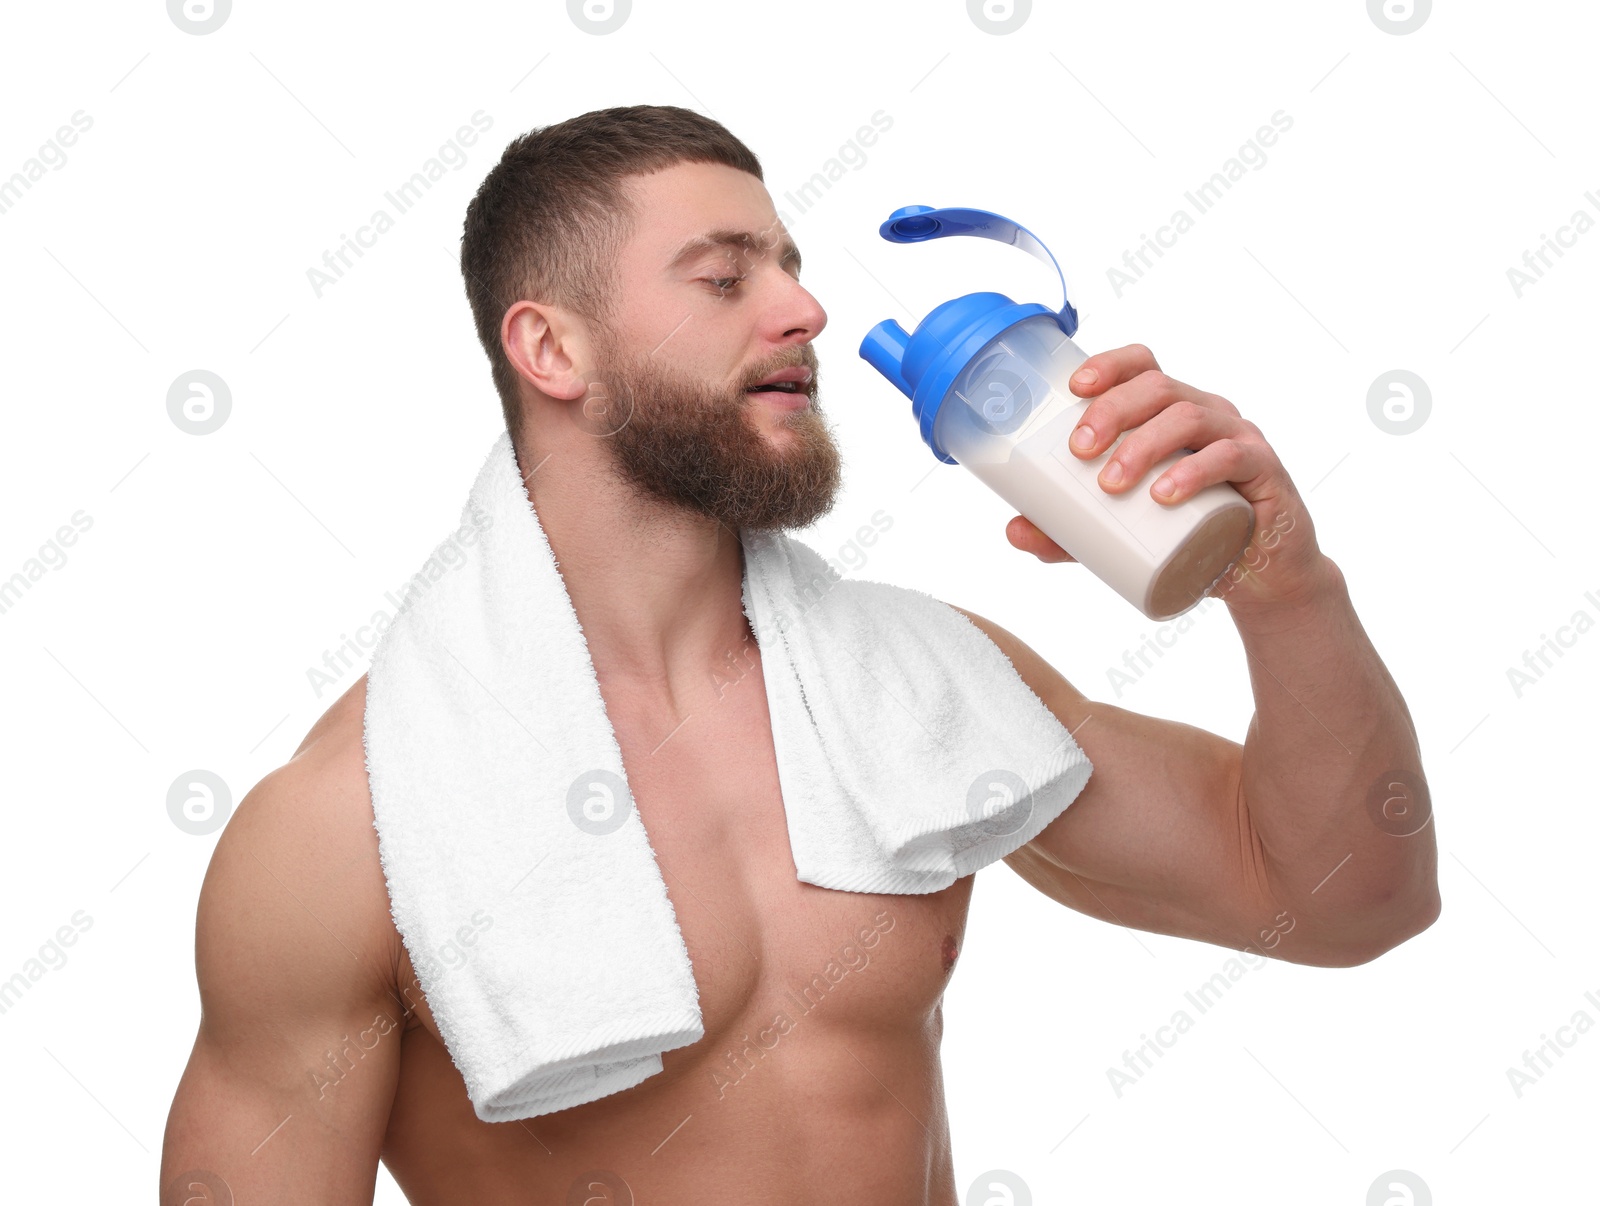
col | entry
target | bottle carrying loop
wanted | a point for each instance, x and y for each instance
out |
(920, 223)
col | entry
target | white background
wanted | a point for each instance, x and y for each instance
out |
(219, 568)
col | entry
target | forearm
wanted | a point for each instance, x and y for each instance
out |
(1331, 777)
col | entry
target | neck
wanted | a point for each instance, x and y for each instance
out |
(658, 589)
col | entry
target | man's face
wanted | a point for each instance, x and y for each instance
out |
(695, 330)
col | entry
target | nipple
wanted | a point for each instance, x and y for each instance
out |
(947, 951)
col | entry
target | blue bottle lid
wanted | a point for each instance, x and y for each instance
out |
(924, 365)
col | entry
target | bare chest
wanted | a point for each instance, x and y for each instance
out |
(821, 1009)
(762, 942)
(767, 949)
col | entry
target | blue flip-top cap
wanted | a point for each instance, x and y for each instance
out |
(923, 365)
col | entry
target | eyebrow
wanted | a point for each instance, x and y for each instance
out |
(733, 239)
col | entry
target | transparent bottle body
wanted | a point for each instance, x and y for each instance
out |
(1008, 418)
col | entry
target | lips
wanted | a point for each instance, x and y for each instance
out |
(790, 380)
(799, 400)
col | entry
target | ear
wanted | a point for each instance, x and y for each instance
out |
(548, 347)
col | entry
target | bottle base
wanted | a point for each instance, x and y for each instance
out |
(1199, 562)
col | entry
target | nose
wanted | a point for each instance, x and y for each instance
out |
(799, 314)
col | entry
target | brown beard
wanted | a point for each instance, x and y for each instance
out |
(678, 440)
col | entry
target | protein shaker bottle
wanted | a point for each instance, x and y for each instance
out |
(987, 379)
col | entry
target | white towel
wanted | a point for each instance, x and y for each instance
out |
(521, 879)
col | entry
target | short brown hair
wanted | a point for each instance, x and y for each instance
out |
(549, 221)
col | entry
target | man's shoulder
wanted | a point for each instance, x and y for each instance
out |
(336, 737)
(888, 609)
(1043, 679)
(1006, 641)
(322, 788)
(322, 791)
(305, 833)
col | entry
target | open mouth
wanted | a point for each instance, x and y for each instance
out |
(786, 395)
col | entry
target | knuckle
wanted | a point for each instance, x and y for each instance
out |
(1161, 385)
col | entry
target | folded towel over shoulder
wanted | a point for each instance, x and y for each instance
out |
(521, 878)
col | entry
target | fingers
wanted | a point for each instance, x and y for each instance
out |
(1105, 369)
(1182, 425)
(1129, 403)
(1025, 535)
(1230, 460)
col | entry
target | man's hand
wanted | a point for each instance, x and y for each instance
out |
(1282, 565)
(1212, 840)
